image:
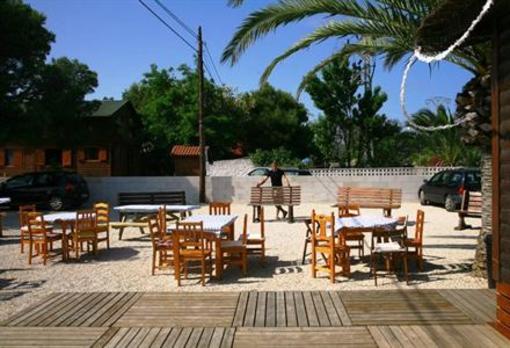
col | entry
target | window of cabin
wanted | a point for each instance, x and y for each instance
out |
(91, 154)
(9, 157)
(53, 157)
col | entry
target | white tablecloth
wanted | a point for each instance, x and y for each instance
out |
(4, 200)
(63, 216)
(153, 208)
(367, 222)
(213, 223)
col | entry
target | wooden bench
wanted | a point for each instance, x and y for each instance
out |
(471, 206)
(135, 220)
(370, 197)
(289, 196)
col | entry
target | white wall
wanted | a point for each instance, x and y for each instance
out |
(314, 188)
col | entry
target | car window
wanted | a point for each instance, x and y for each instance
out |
(260, 171)
(473, 178)
(44, 179)
(436, 178)
(455, 179)
(19, 181)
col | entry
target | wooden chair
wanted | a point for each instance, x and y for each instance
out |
(390, 245)
(40, 236)
(102, 210)
(84, 231)
(417, 242)
(162, 248)
(191, 244)
(335, 250)
(353, 210)
(219, 208)
(234, 253)
(255, 242)
(23, 224)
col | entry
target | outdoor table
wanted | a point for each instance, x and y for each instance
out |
(65, 220)
(364, 223)
(138, 211)
(218, 226)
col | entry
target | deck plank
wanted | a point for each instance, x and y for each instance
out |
(43, 337)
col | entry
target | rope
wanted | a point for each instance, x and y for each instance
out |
(417, 55)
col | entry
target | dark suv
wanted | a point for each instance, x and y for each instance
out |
(48, 190)
(447, 187)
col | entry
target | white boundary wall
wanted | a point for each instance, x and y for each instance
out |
(315, 189)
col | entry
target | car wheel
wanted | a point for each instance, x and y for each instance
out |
(56, 203)
(423, 200)
(449, 203)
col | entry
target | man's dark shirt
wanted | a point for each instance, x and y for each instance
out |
(276, 177)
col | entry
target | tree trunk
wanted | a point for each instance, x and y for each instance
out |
(480, 264)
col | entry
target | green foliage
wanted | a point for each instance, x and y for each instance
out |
(281, 155)
(272, 119)
(167, 102)
(385, 28)
(24, 44)
(442, 147)
(352, 132)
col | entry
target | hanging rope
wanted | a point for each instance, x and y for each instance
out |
(417, 55)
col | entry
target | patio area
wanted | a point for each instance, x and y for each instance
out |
(126, 267)
(417, 318)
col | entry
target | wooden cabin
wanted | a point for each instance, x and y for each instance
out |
(110, 147)
(451, 21)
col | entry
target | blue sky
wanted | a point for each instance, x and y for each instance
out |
(119, 40)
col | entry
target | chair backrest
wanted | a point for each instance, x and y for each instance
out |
(189, 236)
(102, 210)
(385, 235)
(85, 221)
(349, 210)
(23, 210)
(154, 230)
(161, 219)
(420, 221)
(219, 208)
(190, 225)
(36, 224)
(321, 223)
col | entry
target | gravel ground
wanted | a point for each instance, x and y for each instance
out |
(126, 266)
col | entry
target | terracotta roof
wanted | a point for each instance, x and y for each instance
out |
(185, 151)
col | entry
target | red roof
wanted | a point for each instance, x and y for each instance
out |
(185, 151)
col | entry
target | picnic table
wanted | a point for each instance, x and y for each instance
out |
(3, 200)
(134, 215)
(219, 227)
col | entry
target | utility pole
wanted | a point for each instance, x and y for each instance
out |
(200, 62)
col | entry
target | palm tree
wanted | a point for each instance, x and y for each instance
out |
(442, 146)
(385, 28)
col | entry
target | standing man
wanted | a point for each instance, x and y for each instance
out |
(276, 175)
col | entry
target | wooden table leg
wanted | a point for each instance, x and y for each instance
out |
(218, 260)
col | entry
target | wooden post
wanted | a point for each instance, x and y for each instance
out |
(200, 61)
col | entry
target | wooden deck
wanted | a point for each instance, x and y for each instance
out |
(406, 318)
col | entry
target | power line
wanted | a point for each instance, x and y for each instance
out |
(177, 19)
(212, 62)
(168, 25)
(190, 31)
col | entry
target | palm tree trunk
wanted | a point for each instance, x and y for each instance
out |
(480, 263)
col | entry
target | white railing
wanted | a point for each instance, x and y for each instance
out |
(396, 171)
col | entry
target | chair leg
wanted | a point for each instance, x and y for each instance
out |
(245, 262)
(406, 273)
(202, 266)
(332, 268)
(304, 252)
(45, 252)
(30, 251)
(108, 238)
(153, 261)
(121, 232)
(314, 263)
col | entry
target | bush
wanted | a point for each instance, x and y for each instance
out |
(282, 156)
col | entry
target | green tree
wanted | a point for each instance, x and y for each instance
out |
(167, 101)
(272, 119)
(24, 44)
(60, 106)
(281, 155)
